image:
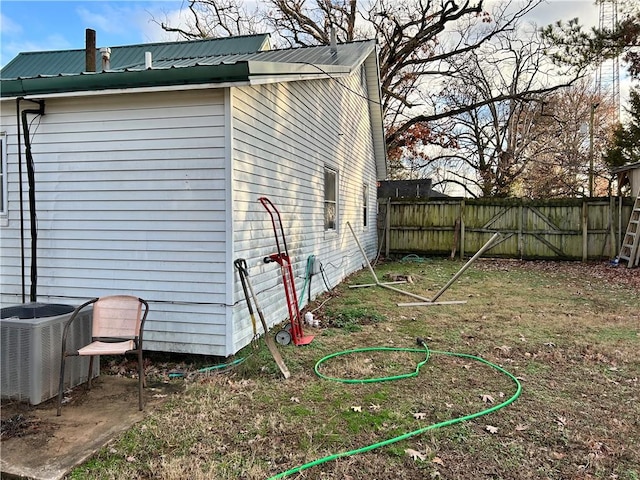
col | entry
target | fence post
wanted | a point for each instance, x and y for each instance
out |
(521, 230)
(387, 230)
(585, 230)
(612, 228)
(462, 205)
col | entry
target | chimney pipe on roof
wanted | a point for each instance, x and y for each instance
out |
(148, 60)
(90, 50)
(105, 53)
(334, 41)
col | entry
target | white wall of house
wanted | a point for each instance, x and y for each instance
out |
(131, 198)
(135, 195)
(283, 136)
(634, 179)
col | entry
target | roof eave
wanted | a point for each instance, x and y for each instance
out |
(626, 168)
(223, 73)
(290, 68)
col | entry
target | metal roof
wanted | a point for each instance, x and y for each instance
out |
(56, 62)
(177, 63)
(237, 60)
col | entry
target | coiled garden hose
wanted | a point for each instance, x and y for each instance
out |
(420, 431)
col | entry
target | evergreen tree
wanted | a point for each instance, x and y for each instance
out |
(625, 144)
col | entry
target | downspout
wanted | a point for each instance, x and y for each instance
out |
(33, 293)
(22, 254)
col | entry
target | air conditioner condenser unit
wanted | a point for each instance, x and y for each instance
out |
(31, 343)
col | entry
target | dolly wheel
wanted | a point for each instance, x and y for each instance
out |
(283, 337)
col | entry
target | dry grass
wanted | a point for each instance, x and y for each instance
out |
(571, 338)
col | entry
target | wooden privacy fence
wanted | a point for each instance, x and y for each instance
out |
(579, 229)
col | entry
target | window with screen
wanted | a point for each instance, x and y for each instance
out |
(330, 199)
(365, 204)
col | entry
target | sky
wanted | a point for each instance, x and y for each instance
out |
(27, 25)
(36, 25)
(32, 25)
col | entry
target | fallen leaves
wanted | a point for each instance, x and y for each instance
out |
(491, 429)
(504, 349)
(415, 455)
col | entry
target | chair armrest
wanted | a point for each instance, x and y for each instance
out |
(68, 323)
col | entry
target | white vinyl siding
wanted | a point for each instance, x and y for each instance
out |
(131, 198)
(284, 135)
(155, 194)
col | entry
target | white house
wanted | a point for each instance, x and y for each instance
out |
(147, 173)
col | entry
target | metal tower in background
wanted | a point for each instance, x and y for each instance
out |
(608, 73)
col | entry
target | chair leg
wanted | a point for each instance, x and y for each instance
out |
(61, 385)
(140, 378)
(90, 372)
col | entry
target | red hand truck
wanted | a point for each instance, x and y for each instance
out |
(282, 258)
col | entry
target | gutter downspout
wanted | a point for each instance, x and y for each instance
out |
(33, 293)
(22, 254)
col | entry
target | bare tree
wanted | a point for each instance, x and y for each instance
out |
(499, 143)
(216, 18)
(423, 49)
(572, 155)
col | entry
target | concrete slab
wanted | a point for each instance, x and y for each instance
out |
(43, 446)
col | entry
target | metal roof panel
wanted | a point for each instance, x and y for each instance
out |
(32, 64)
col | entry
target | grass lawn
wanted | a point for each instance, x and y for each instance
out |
(569, 333)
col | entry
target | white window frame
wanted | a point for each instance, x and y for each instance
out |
(365, 206)
(329, 202)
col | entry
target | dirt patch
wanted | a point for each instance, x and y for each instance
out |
(38, 444)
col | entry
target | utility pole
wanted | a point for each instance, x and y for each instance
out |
(591, 118)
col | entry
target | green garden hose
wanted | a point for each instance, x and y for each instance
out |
(212, 368)
(420, 431)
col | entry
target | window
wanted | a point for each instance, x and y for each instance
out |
(3, 173)
(365, 200)
(330, 199)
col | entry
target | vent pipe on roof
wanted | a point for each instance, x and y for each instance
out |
(105, 53)
(334, 41)
(90, 50)
(148, 61)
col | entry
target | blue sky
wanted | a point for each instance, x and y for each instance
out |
(28, 25)
(33, 25)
